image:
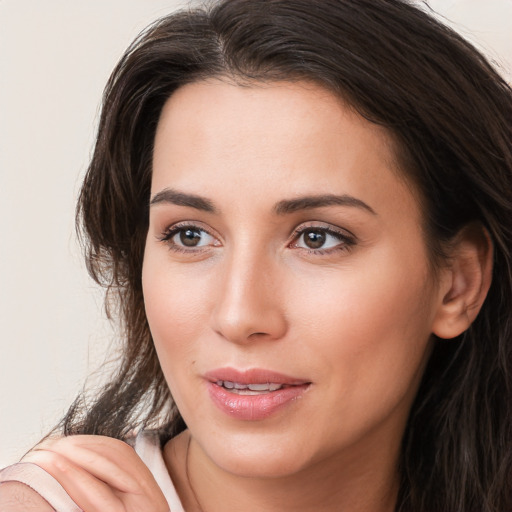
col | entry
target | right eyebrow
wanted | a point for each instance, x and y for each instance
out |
(169, 195)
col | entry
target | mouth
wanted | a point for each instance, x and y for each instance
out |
(253, 394)
(250, 389)
(255, 379)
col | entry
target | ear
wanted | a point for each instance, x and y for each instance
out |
(465, 282)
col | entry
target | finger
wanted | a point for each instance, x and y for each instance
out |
(138, 476)
(117, 451)
(97, 465)
(89, 493)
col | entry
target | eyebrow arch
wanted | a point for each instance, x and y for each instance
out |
(309, 202)
(168, 195)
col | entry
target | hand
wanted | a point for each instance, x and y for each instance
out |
(100, 474)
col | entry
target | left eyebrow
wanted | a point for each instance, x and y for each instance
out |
(309, 202)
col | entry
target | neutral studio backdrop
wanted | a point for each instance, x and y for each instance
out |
(55, 57)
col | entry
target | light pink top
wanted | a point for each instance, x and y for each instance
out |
(147, 447)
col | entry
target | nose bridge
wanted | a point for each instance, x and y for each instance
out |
(247, 305)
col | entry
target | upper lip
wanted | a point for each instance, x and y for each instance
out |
(253, 376)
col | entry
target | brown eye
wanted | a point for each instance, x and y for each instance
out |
(320, 239)
(314, 239)
(189, 237)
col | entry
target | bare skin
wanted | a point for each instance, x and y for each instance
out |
(282, 237)
(352, 315)
(261, 494)
(15, 497)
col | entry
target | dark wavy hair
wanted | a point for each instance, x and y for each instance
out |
(450, 114)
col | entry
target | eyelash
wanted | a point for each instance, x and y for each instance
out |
(346, 239)
(172, 231)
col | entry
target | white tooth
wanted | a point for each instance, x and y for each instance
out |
(240, 386)
(258, 387)
(248, 392)
(219, 383)
(274, 387)
(228, 385)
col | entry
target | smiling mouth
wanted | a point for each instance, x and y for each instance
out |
(250, 389)
(256, 400)
(254, 394)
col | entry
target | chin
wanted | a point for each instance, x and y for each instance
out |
(257, 455)
(261, 466)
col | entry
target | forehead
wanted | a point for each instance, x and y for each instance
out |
(265, 140)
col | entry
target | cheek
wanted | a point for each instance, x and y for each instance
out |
(371, 327)
(172, 312)
(358, 300)
(175, 305)
(175, 311)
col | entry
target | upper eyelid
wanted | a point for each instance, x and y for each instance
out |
(323, 226)
(176, 226)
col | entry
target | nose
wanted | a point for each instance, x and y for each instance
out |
(248, 305)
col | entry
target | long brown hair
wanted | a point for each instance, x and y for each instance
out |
(451, 116)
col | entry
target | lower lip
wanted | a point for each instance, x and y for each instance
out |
(254, 407)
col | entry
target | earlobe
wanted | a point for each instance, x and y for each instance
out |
(466, 282)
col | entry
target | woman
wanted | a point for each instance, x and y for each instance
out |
(301, 211)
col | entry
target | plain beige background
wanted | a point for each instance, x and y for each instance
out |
(55, 57)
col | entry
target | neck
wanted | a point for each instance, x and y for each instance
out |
(339, 483)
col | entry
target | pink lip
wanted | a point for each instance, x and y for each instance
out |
(253, 407)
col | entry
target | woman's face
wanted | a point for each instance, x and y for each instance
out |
(285, 277)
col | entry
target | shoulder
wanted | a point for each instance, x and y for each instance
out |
(18, 497)
(25, 485)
